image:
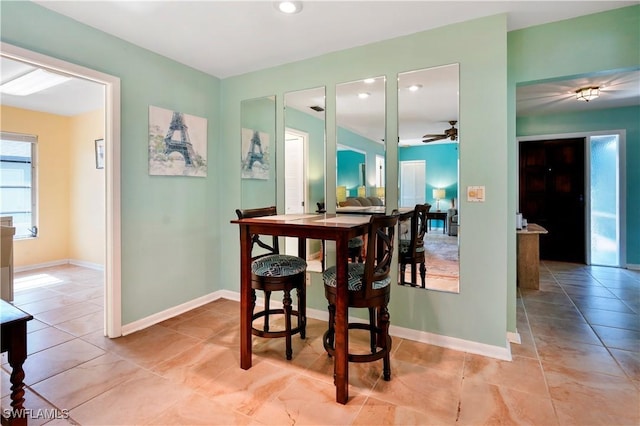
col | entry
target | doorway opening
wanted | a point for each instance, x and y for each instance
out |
(112, 263)
(572, 185)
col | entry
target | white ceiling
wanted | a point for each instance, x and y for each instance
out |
(183, 30)
(226, 38)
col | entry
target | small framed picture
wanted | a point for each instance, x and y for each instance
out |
(99, 153)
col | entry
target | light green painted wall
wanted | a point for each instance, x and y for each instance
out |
(170, 241)
(184, 222)
(478, 313)
(259, 115)
(592, 43)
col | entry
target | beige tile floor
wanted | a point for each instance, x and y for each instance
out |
(578, 364)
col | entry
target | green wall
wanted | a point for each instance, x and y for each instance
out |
(170, 237)
(177, 242)
(581, 46)
(478, 313)
(348, 169)
(258, 115)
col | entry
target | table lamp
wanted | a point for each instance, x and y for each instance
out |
(438, 194)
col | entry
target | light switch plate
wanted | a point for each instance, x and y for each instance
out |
(475, 194)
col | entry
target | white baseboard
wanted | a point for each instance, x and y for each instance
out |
(41, 265)
(514, 337)
(170, 313)
(76, 262)
(90, 265)
(633, 266)
(503, 353)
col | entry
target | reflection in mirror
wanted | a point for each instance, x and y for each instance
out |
(258, 136)
(428, 174)
(360, 118)
(304, 151)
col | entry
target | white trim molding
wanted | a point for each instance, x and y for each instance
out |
(113, 268)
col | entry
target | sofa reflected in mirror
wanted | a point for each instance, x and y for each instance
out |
(452, 220)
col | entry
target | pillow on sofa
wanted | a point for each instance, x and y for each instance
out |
(364, 201)
(375, 201)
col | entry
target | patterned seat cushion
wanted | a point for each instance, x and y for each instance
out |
(405, 247)
(354, 275)
(355, 242)
(278, 265)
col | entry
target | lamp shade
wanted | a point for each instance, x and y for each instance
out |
(380, 192)
(438, 194)
(362, 191)
(341, 194)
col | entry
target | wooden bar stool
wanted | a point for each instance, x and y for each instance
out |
(369, 287)
(272, 271)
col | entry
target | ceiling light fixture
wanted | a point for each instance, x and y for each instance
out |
(289, 7)
(32, 82)
(364, 95)
(587, 93)
(369, 80)
(415, 87)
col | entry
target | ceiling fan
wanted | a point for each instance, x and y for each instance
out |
(451, 133)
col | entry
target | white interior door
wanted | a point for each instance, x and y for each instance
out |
(412, 182)
(294, 180)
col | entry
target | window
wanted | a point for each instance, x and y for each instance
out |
(18, 183)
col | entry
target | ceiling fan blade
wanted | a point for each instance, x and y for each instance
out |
(433, 138)
(434, 135)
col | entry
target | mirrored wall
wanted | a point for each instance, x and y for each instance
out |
(428, 172)
(304, 165)
(258, 143)
(361, 125)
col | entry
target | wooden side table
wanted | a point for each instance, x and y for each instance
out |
(14, 341)
(529, 256)
(438, 215)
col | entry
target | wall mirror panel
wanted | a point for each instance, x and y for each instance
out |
(258, 145)
(428, 173)
(304, 165)
(361, 126)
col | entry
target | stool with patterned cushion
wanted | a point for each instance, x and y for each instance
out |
(368, 287)
(411, 251)
(272, 271)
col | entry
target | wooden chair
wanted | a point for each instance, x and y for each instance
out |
(411, 250)
(272, 271)
(369, 287)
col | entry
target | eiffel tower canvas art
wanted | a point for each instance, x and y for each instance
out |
(255, 154)
(177, 143)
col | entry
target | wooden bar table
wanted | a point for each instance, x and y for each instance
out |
(529, 256)
(14, 342)
(338, 228)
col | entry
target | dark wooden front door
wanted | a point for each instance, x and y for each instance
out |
(552, 195)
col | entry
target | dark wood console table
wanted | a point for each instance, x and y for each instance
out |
(438, 216)
(14, 341)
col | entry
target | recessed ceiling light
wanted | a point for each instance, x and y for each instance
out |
(415, 87)
(369, 80)
(364, 95)
(289, 7)
(32, 82)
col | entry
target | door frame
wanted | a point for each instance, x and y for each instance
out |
(622, 155)
(291, 246)
(112, 261)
